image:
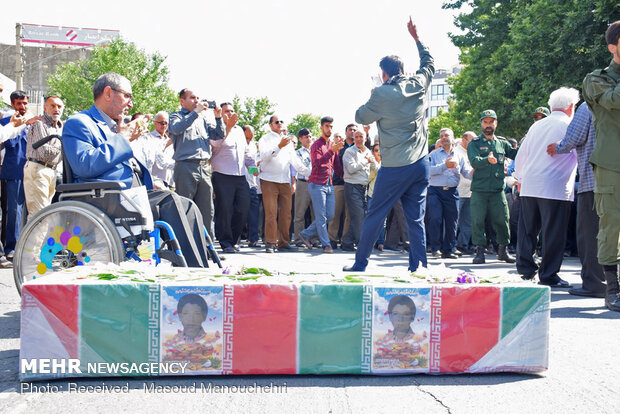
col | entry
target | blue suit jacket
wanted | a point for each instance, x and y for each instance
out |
(95, 153)
(14, 156)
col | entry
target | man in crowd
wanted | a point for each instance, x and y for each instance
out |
(540, 113)
(357, 163)
(601, 90)
(397, 107)
(302, 196)
(325, 161)
(341, 209)
(446, 169)
(190, 133)
(12, 172)
(40, 169)
(547, 191)
(277, 155)
(97, 148)
(486, 154)
(463, 241)
(163, 166)
(252, 180)
(581, 136)
(229, 161)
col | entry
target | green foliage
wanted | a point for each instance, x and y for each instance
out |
(254, 112)
(516, 52)
(445, 119)
(148, 75)
(312, 122)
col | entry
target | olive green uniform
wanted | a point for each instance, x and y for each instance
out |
(601, 90)
(487, 188)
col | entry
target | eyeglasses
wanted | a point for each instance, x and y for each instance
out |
(278, 122)
(161, 122)
(127, 95)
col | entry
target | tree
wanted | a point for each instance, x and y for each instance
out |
(254, 112)
(312, 122)
(148, 75)
(444, 119)
(516, 52)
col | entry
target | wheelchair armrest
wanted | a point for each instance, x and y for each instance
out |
(93, 185)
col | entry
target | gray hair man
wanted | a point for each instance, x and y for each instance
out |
(547, 192)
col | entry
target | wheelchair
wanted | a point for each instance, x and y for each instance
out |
(90, 223)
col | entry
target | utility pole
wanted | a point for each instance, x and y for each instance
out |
(19, 61)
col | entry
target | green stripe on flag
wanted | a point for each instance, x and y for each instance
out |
(330, 329)
(116, 325)
(517, 302)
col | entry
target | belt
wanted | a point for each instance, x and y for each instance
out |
(45, 164)
(444, 188)
(196, 161)
(302, 179)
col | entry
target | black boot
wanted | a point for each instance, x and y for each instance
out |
(503, 255)
(479, 259)
(612, 296)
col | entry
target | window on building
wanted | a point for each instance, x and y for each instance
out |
(440, 92)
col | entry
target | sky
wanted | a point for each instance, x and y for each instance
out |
(306, 56)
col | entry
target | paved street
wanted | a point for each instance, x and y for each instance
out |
(583, 375)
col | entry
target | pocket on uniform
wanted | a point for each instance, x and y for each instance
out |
(603, 195)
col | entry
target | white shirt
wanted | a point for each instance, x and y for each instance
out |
(540, 174)
(276, 162)
(252, 153)
(9, 131)
(464, 187)
(163, 166)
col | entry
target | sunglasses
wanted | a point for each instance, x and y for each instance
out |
(279, 122)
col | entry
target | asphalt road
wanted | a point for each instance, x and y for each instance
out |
(583, 376)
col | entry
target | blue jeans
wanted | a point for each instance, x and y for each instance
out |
(408, 184)
(14, 205)
(323, 204)
(442, 213)
(253, 214)
(464, 238)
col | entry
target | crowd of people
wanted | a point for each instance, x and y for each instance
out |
(476, 195)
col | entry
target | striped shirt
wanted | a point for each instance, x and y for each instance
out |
(580, 135)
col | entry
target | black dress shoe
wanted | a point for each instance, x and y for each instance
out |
(353, 268)
(269, 248)
(288, 248)
(556, 283)
(528, 277)
(585, 292)
(449, 256)
(228, 249)
(348, 248)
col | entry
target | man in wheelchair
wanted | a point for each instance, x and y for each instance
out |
(96, 147)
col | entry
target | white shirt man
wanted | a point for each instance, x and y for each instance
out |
(277, 155)
(547, 190)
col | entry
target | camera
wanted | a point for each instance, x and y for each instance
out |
(209, 104)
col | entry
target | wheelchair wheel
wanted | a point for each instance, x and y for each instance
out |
(63, 235)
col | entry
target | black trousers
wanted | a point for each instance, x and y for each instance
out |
(186, 221)
(592, 276)
(232, 202)
(551, 218)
